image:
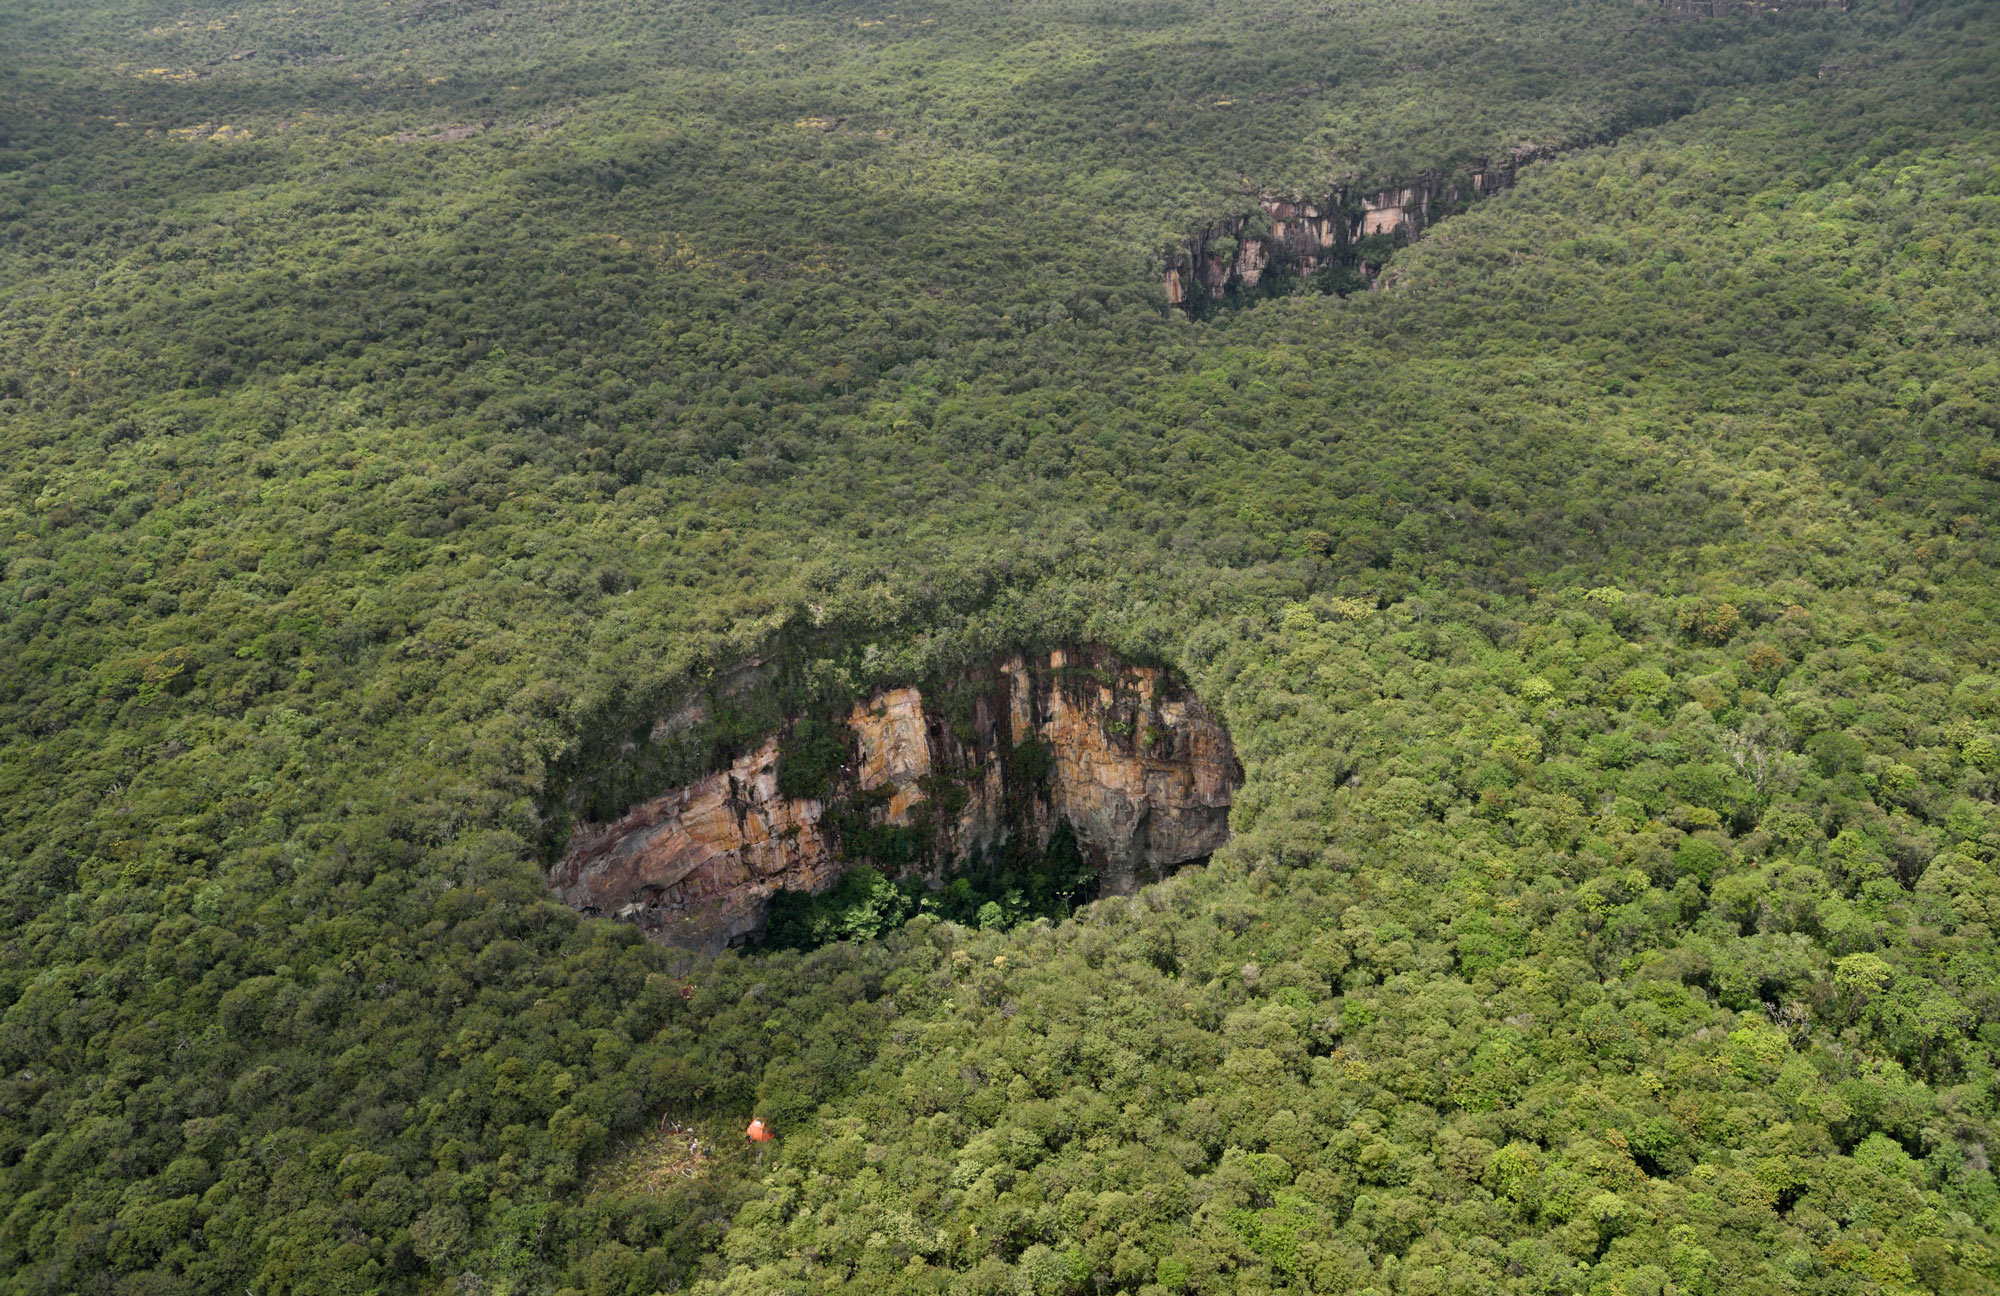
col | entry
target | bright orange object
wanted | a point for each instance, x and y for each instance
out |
(759, 1132)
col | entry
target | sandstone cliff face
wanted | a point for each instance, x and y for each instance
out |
(1308, 235)
(1724, 8)
(1136, 766)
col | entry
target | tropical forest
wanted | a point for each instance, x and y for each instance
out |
(999, 647)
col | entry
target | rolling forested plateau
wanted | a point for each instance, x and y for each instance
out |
(404, 404)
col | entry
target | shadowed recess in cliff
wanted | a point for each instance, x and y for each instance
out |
(1014, 790)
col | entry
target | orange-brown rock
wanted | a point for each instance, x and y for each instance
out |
(1309, 235)
(1135, 765)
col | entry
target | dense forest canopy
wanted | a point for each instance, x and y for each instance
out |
(401, 400)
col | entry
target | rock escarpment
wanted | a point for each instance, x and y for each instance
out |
(1343, 235)
(1724, 8)
(1131, 762)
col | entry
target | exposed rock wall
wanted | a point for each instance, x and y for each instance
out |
(1724, 8)
(1134, 764)
(1297, 236)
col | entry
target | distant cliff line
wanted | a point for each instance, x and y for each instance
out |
(1342, 238)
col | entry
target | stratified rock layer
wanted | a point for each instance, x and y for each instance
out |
(1136, 766)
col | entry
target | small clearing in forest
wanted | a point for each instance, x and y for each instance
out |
(655, 1162)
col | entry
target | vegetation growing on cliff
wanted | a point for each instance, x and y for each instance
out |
(993, 891)
(1604, 613)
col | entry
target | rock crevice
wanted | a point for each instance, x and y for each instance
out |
(1133, 763)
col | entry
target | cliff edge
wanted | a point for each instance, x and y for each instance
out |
(1131, 761)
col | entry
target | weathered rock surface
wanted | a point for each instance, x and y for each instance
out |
(1134, 764)
(1724, 8)
(1291, 235)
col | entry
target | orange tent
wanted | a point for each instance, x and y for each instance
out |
(759, 1132)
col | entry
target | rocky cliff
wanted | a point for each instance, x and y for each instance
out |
(1724, 8)
(1133, 763)
(1295, 236)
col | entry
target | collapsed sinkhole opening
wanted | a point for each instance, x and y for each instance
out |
(1337, 242)
(1334, 243)
(1013, 790)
